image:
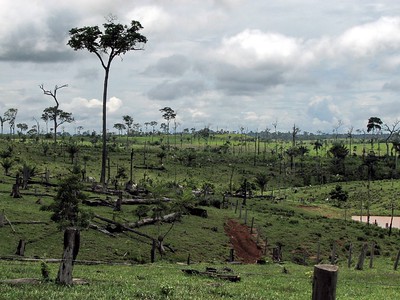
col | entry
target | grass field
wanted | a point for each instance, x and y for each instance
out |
(300, 217)
(167, 281)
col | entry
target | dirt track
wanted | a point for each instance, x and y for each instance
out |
(246, 249)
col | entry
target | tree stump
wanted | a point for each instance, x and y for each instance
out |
(20, 248)
(231, 255)
(118, 204)
(71, 249)
(153, 252)
(15, 188)
(277, 253)
(361, 258)
(396, 262)
(324, 282)
(2, 219)
(350, 255)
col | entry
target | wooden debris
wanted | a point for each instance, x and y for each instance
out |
(148, 221)
(212, 272)
(102, 230)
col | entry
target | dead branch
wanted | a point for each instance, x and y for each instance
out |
(148, 221)
(30, 222)
(52, 93)
(124, 227)
(102, 230)
(9, 223)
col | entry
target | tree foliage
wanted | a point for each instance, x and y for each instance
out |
(115, 40)
(374, 123)
(339, 195)
(65, 208)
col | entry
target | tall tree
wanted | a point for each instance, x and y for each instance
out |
(119, 127)
(58, 116)
(339, 152)
(392, 130)
(115, 40)
(3, 119)
(10, 115)
(374, 124)
(54, 111)
(22, 127)
(128, 122)
(168, 115)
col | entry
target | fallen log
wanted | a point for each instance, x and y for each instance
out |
(30, 222)
(144, 201)
(102, 230)
(230, 277)
(124, 227)
(97, 202)
(148, 221)
(197, 211)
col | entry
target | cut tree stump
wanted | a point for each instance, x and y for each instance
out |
(20, 248)
(71, 249)
(324, 282)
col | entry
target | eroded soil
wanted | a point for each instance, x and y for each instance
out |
(244, 244)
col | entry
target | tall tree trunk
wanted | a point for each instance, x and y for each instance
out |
(104, 150)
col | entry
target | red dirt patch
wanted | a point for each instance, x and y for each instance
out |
(246, 249)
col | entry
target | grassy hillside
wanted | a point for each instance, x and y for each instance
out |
(295, 211)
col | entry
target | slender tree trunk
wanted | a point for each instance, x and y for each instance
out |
(104, 150)
(55, 125)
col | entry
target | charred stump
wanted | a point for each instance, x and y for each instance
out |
(15, 193)
(71, 249)
(20, 248)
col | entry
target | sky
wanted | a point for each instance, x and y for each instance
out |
(221, 64)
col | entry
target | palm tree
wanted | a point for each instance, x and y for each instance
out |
(261, 180)
(72, 150)
(374, 124)
(317, 145)
(6, 164)
(339, 152)
(119, 127)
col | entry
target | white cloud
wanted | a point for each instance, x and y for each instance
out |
(153, 18)
(370, 38)
(113, 104)
(252, 48)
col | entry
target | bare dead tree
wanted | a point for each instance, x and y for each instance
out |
(54, 113)
(392, 130)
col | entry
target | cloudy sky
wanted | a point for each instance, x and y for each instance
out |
(224, 64)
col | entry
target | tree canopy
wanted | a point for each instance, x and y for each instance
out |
(115, 40)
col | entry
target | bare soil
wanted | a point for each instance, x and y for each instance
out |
(244, 243)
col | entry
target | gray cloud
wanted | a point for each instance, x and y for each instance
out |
(174, 65)
(392, 86)
(207, 53)
(40, 42)
(170, 90)
(235, 81)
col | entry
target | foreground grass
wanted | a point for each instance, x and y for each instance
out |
(167, 281)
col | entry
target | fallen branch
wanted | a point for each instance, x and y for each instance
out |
(102, 230)
(148, 221)
(9, 223)
(97, 202)
(230, 277)
(124, 227)
(144, 201)
(30, 222)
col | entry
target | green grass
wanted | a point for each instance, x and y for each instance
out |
(167, 281)
(300, 221)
